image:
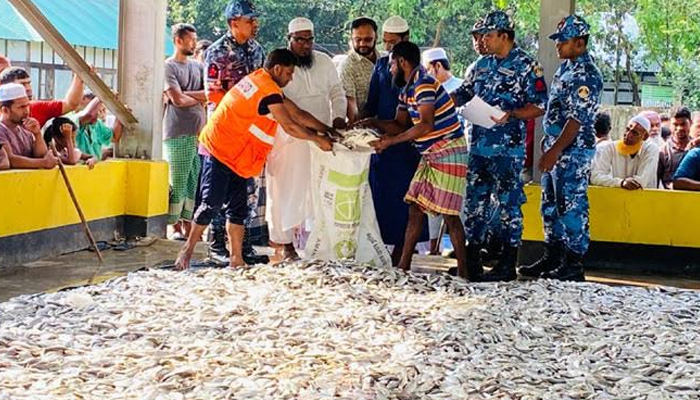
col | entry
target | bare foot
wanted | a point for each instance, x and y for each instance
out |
(183, 260)
(278, 257)
(237, 263)
(290, 253)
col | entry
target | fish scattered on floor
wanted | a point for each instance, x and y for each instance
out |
(342, 330)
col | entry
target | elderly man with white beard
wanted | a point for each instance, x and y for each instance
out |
(315, 88)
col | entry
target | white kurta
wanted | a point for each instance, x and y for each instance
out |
(317, 90)
(611, 167)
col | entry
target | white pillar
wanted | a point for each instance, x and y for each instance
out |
(551, 12)
(141, 70)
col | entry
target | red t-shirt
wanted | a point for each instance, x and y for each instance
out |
(45, 110)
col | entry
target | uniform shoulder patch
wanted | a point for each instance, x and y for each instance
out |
(213, 71)
(584, 92)
(539, 71)
(246, 87)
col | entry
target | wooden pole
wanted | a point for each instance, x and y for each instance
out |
(86, 227)
(70, 56)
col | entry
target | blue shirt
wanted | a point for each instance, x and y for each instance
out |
(423, 89)
(690, 166)
(575, 94)
(383, 97)
(452, 84)
(509, 83)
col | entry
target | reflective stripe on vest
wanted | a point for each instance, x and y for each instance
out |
(261, 135)
(236, 134)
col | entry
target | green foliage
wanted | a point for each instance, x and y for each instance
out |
(669, 36)
(445, 23)
(672, 38)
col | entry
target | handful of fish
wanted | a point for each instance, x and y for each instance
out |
(342, 330)
(357, 138)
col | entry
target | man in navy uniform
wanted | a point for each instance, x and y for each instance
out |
(508, 78)
(569, 147)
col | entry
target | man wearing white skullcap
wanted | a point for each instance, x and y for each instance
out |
(20, 135)
(631, 162)
(436, 62)
(391, 171)
(315, 88)
(438, 65)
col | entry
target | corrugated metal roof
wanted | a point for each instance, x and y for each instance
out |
(93, 23)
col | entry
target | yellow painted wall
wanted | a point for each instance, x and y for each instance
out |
(147, 185)
(38, 199)
(652, 217)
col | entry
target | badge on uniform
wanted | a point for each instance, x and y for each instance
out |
(584, 92)
(246, 87)
(506, 71)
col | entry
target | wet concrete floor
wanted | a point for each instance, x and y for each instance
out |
(76, 268)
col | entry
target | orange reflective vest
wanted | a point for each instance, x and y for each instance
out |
(236, 134)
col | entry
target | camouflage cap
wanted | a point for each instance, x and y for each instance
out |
(240, 8)
(496, 21)
(571, 27)
(478, 24)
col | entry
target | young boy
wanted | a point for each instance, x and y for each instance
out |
(62, 131)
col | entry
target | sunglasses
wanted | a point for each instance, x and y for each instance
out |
(303, 40)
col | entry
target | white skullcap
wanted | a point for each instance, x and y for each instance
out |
(12, 91)
(434, 54)
(300, 24)
(395, 24)
(642, 121)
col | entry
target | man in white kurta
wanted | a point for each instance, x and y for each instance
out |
(315, 88)
(631, 162)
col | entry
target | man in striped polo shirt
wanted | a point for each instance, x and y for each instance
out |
(426, 116)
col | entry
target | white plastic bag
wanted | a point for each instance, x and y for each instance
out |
(345, 224)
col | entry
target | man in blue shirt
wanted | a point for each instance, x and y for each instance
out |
(508, 78)
(438, 65)
(687, 176)
(569, 147)
(391, 171)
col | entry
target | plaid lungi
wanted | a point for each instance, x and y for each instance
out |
(181, 154)
(439, 184)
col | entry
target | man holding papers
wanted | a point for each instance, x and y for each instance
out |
(569, 147)
(511, 80)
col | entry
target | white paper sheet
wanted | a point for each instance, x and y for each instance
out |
(478, 112)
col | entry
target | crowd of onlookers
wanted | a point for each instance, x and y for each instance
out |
(78, 125)
(655, 151)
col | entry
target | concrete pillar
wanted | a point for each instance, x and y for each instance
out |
(551, 12)
(141, 56)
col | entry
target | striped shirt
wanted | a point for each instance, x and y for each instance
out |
(423, 89)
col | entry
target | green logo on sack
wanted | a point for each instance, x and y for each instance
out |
(347, 206)
(345, 249)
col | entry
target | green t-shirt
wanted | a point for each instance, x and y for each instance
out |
(92, 138)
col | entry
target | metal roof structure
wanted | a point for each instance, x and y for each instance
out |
(91, 23)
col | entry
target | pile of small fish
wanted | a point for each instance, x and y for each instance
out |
(341, 330)
(357, 138)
